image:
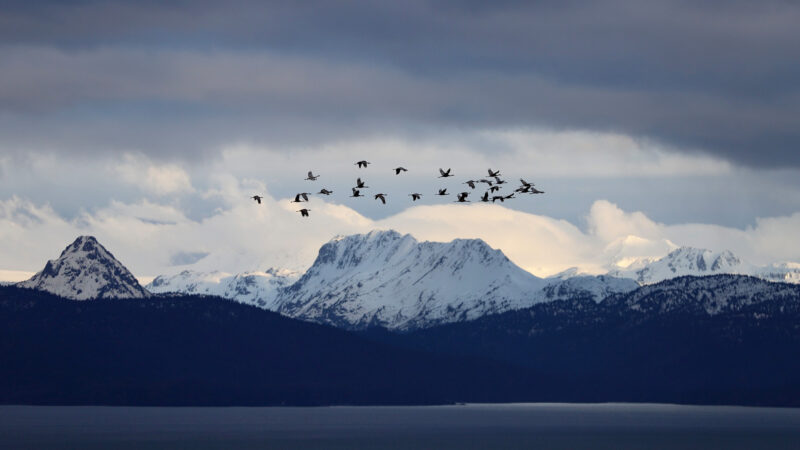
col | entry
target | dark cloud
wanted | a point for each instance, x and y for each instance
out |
(719, 77)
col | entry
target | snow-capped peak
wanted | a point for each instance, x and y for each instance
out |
(686, 261)
(86, 270)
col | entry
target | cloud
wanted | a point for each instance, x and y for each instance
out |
(163, 80)
(159, 179)
(245, 236)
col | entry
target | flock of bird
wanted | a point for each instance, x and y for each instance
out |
(493, 185)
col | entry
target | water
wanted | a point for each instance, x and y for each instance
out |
(530, 426)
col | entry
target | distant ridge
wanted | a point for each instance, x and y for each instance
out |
(86, 270)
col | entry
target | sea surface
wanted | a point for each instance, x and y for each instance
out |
(506, 426)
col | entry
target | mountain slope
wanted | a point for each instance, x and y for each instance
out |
(193, 350)
(716, 339)
(252, 288)
(86, 270)
(384, 278)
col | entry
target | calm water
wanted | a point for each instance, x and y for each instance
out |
(546, 426)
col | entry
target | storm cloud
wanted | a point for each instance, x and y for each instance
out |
(183, 79)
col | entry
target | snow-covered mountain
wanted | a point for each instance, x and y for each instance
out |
(700, 262)
(388, 279)
(86, 270)
(254, 288)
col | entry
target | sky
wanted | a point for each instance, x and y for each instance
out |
(649, 125)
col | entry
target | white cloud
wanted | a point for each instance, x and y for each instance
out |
(243, 235)
(159, 179)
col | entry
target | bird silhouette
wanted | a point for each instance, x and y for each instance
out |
(363, 164)
(498, 197)
(525, 183)
(325, 192)
(301, 197)
(304, 212)
(444, 174)
(485, 197)
(495, 173)
(311, 176)
(360, 184)
(470, 183)
(494, 188)
(356, 193)
(415, 197)
(381, 197)
(257, 198)
(482, 180)
(523, 189)
(462, 197)
(509, 196)
(499, 181)
(442, 192)
(397, 170)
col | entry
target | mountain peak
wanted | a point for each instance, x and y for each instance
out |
(86, 270)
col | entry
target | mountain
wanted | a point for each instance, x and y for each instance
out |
(253, 288)
(699, 262)
(196, 350)
(686, 261)
(726, 339)
(391, 280)
(86, 270)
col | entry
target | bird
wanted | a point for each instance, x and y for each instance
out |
(525, 183)
(499, 181)
(257, 198)
(444, 174)
(495, 173)
(381, 197)
(462, 197)
(301, 197)
(494, 188)
(442, 192)
(470, 183)
(509, 196)
(356, 193)
(397, 170)
(325, 192)
(311, 176)
(304, 212)
(523, 189)
(498, 197)
(415, 197)
(360, 184)
(363, 164)
(485, 197)
(489, 182)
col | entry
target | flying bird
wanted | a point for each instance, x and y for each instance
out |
(444, 174)
(525, 183)
(301, 197)
(311, 176)
(494, 188)
(499, 181)
(397, 170)
(381, 197)
(462, 197)
(356, 193)
(509, 196)
(415, 197)
(470, 183)
(360, 184)
(485, 197)
(257, 198)
(304, 212)
(495, 173)
(442, 192)
(498, 197)
(363, 164)
(489, 182)
(325, 192)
